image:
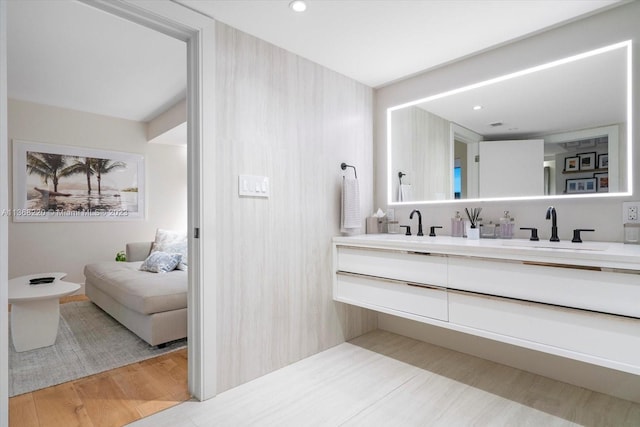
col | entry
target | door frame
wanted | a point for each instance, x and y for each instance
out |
(198, 32)
(4, 224)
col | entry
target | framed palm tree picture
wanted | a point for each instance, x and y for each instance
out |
(65, 183)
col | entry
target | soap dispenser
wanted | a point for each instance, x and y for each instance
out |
(506, 226)
(457, 225)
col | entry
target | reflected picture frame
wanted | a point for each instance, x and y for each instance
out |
(572, 164)
(603, 161)
(602, 182)
(580, 185)
(587, 161)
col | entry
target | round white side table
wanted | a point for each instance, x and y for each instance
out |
(35, 310)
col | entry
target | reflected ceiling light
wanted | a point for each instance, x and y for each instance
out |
(477, 107)
(298, 6)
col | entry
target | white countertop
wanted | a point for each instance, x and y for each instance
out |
(594, 254)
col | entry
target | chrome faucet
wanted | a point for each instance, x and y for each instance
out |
(551, 214)
(419, 221)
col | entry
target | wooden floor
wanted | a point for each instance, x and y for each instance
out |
(110, 399)
(382, 379)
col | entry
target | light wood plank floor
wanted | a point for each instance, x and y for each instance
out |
(383, 379)
(109, 399)
(112, 398)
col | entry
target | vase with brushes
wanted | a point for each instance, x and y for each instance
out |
(474, 232)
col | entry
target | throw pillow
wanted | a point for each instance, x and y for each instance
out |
(161, 262)
(172, 242)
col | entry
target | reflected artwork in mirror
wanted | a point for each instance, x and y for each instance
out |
(536, 133)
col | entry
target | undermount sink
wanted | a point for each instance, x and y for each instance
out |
(591, 246)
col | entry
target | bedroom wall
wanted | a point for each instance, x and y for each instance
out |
(68, 246)
(281, 116)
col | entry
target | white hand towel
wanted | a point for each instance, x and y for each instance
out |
(350, 220)
(405, 193)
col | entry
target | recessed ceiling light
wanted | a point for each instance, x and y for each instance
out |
(477, 107)
(298, 6)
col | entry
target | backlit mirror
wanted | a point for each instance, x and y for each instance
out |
(561, 129)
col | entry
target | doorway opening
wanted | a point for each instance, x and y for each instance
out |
(162, 20)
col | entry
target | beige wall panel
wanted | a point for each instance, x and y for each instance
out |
(281, 116)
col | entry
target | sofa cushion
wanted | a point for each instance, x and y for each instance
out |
(161, 262)
(140, 291)
(172, 242)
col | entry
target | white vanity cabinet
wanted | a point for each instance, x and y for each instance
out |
(602, 339)
(404, 299)
(412, 285)
(575, 304)
(576, 287)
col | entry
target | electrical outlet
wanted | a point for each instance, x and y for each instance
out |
(630, 212)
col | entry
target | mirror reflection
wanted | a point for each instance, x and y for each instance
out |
(553, 130)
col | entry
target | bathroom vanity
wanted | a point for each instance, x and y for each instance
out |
(576, 300)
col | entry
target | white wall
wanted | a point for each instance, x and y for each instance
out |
(604, 215)
(4, 197)
(284, 117)
(68, 246)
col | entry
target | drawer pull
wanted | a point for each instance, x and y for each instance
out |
(383, 279)
(416, 285)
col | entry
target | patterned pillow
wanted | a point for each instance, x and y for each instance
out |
(161, 262)
(174, 242)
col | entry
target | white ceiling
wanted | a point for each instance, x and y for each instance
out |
(379, 41)
(68, 54)
(72, 55)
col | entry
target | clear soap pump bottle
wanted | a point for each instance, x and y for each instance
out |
(506, 226)
(457, 225)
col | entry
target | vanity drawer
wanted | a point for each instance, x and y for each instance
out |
(392, 297)
(597, 335)
(410, 267)
(606, 292)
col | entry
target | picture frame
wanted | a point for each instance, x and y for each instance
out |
(602, 182)
(58, 183)
(603, 161)
(571, 164)
(587, 161)
(580, 185)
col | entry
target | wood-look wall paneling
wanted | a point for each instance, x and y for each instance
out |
(284, 117)
(432, 156)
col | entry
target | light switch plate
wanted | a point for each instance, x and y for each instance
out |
(253, 186)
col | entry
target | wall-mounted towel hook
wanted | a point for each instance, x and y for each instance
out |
(400, 175)
(344, 166)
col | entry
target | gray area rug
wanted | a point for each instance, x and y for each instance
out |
(89, 341)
